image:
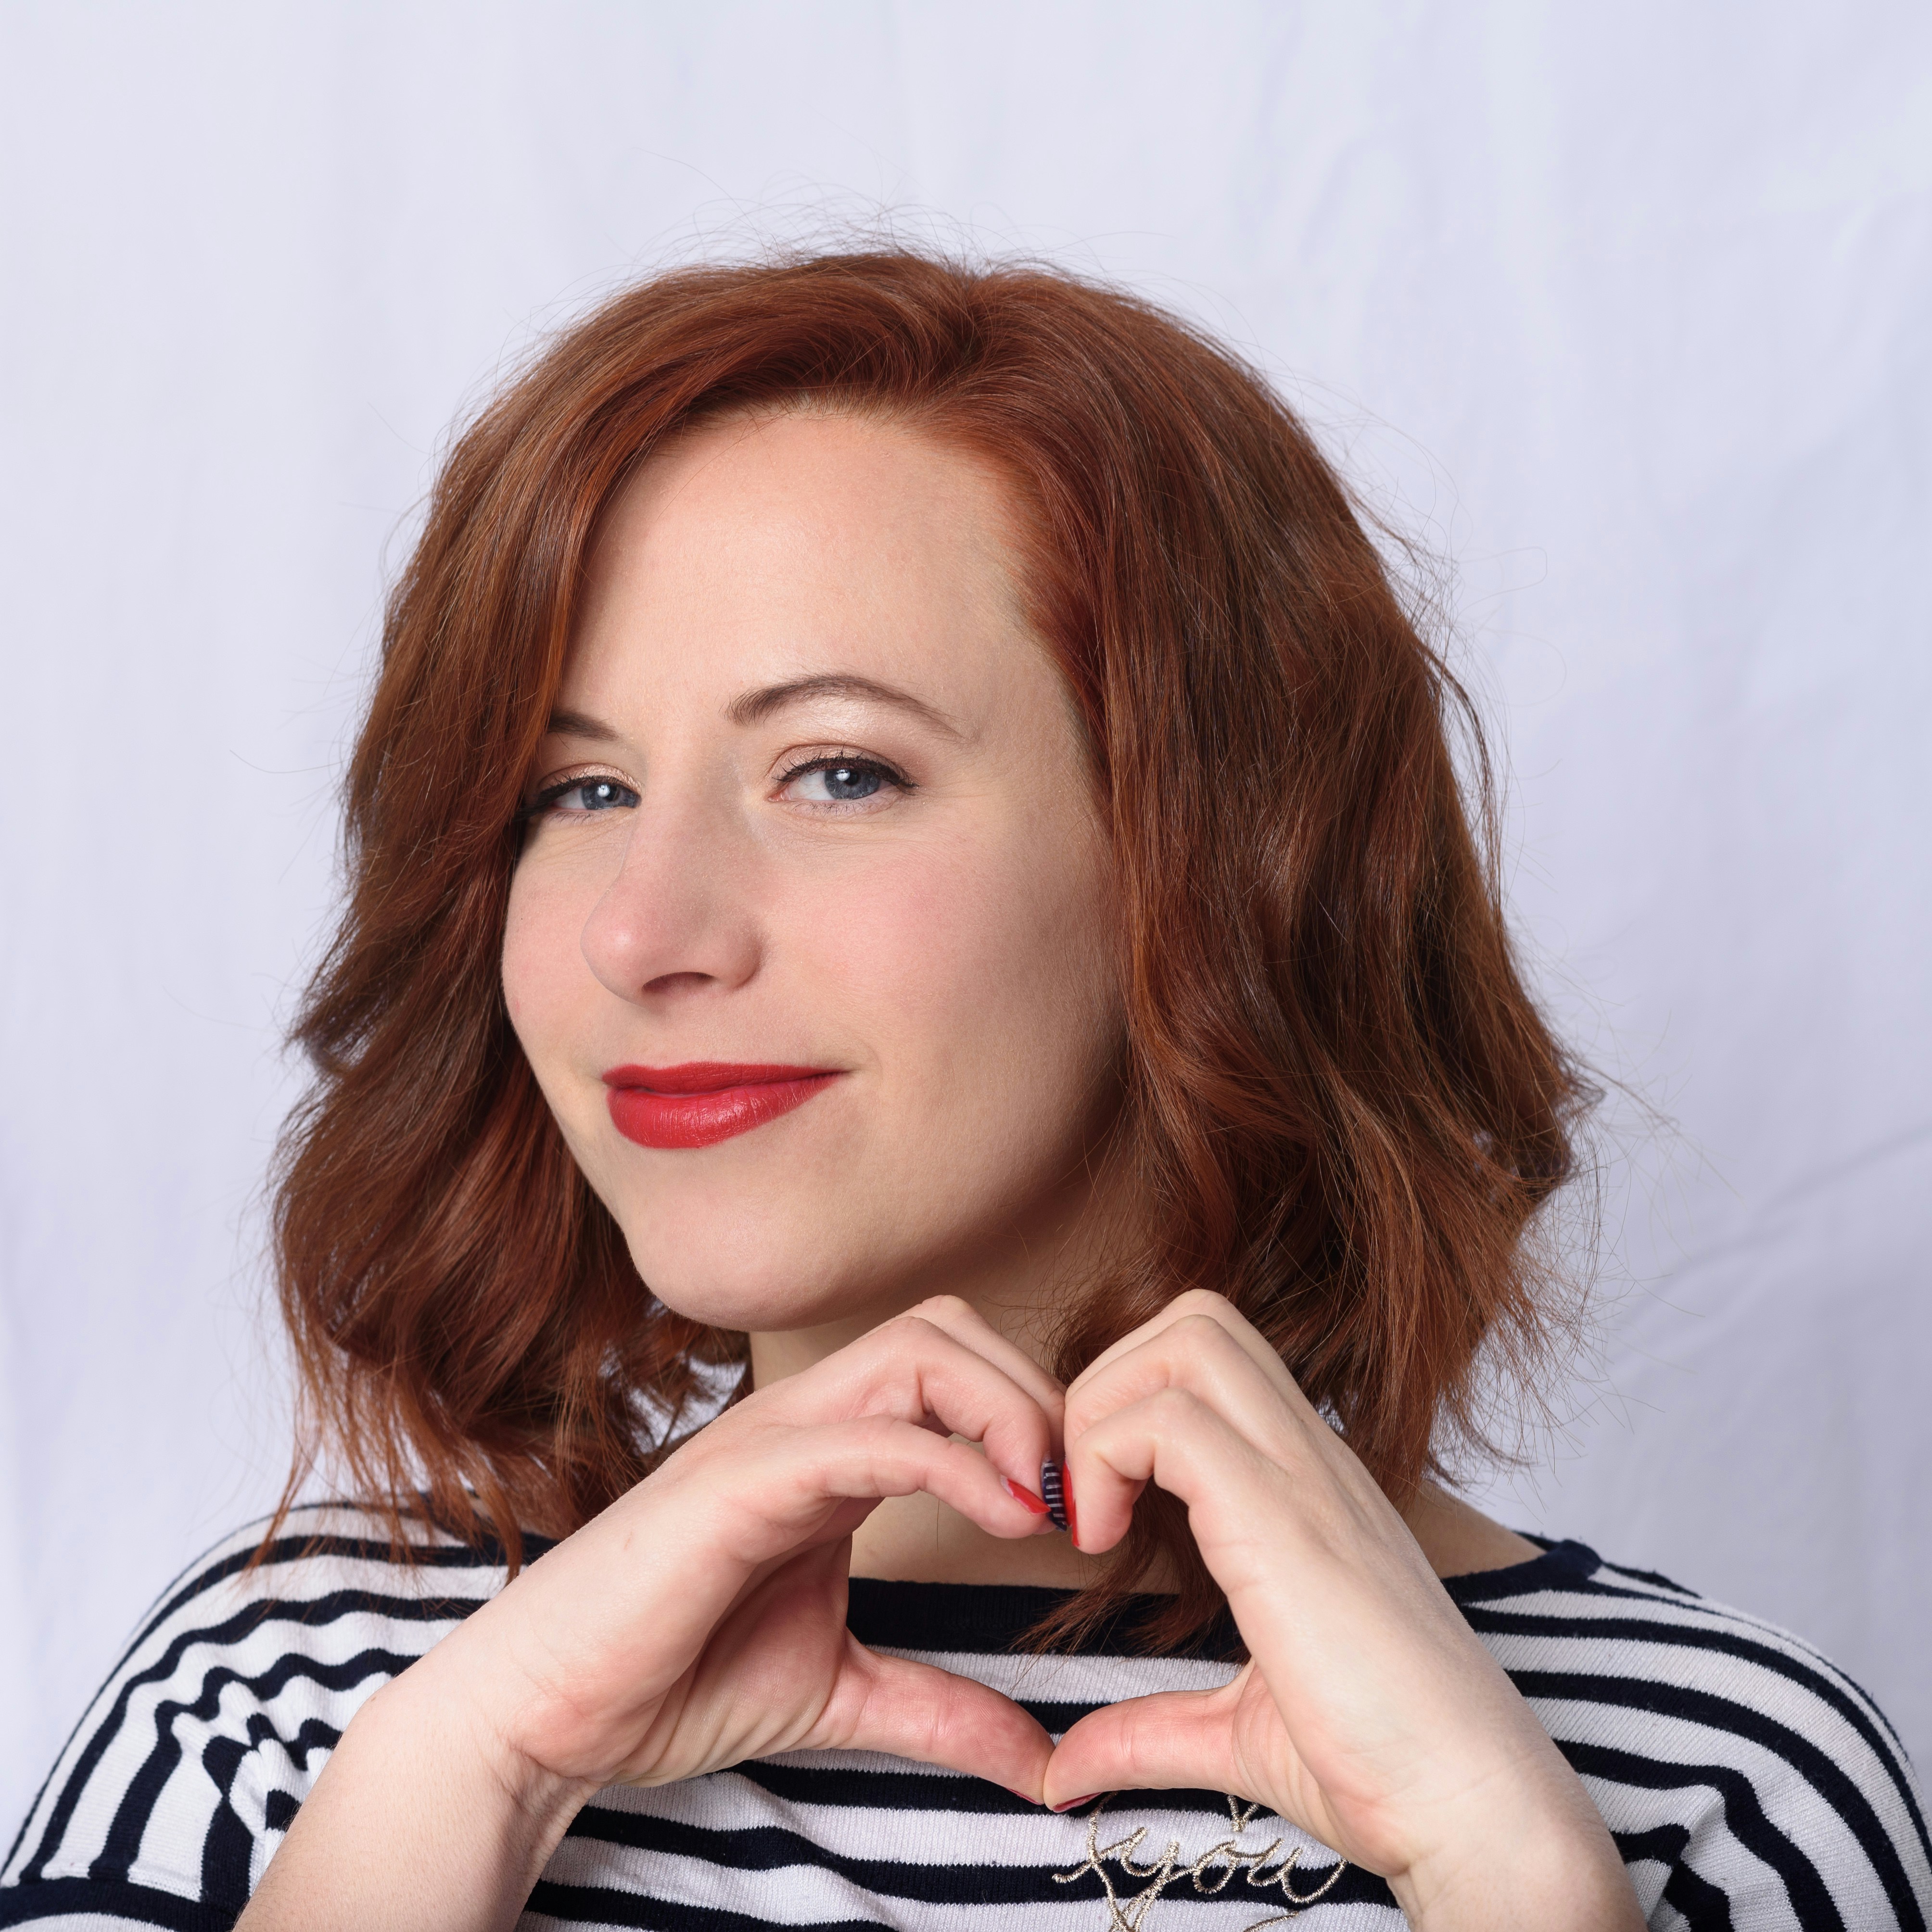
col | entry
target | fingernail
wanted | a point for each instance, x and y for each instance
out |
(1023, 1798)
(1072, 1516)
(1074, 1803)
(1052, 1477)
(1021, 1493)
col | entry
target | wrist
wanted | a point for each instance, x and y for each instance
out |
(1547, 1863)
(422, 1820)
(455, 1699)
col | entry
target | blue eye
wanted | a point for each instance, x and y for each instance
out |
(580, 797)
(840, 782)
(843, 782)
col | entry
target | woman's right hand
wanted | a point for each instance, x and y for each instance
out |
(699, 1621)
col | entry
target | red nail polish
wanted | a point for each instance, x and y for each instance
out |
(1073, 1516)
(1075, 1804)
(1021, 1493)
(1022, 1797)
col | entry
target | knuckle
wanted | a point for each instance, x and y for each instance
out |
(1200, 1340)
(1200, 1329)
(938, 1308)
(905, 1335)
(1203, 1302)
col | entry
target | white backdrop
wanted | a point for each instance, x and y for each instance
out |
(1627, 312)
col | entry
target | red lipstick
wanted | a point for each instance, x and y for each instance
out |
(705, 1101)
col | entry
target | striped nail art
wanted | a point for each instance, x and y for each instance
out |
(1053, 1493)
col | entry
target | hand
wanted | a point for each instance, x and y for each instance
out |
(700, 1620)
(1369, 1714)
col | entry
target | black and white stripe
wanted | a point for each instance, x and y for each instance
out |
(1749, 1784)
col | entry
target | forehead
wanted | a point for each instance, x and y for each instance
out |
(759, 547)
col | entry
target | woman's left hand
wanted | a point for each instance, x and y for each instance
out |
(1369, 1714)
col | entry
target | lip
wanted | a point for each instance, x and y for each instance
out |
(706, 1101)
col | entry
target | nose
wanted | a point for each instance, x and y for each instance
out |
(677, 921)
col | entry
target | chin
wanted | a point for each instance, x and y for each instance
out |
(758, 1308)
(758, 1286)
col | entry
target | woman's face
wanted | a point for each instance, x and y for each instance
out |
(809, 944)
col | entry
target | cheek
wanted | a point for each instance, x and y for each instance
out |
(543, 966)
(987, 983)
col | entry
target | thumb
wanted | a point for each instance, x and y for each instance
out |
(1177, 1740)
(920, 1711)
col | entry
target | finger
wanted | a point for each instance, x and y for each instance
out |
(920, 1711)
(1177, 1740)
(1200, 1304)
(912, 1370)
(971, 1330)
(1258, 1519)
(1172, 1438)
(1196, 1354)
(792, 1491)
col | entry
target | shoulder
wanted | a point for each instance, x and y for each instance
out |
(219, 1714)
(1732, 1760)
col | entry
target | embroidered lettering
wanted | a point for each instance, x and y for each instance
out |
(1212, 1872)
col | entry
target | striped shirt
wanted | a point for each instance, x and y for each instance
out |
(1748, 1783)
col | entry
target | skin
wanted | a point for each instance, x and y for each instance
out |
(895, 1248)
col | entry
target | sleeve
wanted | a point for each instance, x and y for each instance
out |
(1749, 1784)
(1778, 1853)
(1811, 1818)
(189, 1765)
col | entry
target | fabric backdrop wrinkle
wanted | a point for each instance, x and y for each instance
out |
(1625, 316)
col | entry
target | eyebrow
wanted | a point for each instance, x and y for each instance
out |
(754, 706)
(580, 724)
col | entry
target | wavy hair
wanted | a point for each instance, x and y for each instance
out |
(1343, 1109)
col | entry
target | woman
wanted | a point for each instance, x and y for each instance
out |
(906, 873)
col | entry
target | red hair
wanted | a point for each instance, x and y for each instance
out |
(1342, 1107)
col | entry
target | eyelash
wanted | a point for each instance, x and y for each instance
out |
(562, 787)
(824, 762)
(843, 761)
